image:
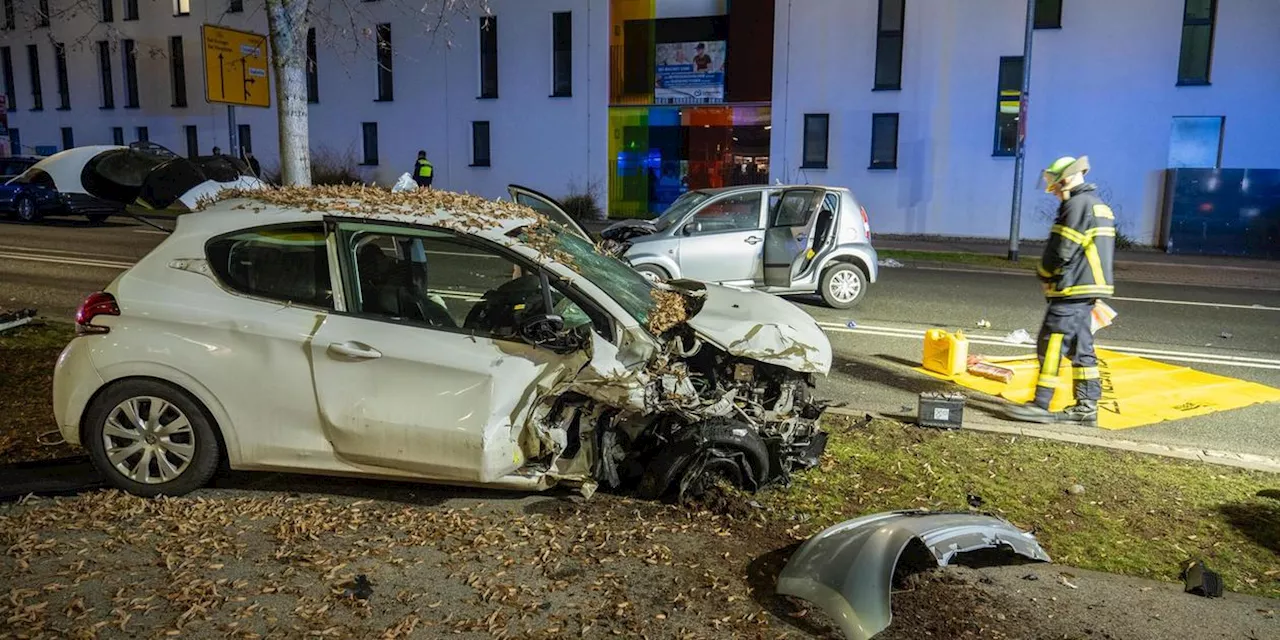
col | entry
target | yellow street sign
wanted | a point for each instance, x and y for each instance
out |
(235, 67)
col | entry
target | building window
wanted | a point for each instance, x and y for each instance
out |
(33, 67)
(889, 45)
(15, 140)
(884, 141)
(130, 9)
(244, 136)
(130, 54)
(68, 139)
(42, 13)
(562, 54)
(1196, 142)
(104, 73)
(142, 135)
(178, 65)
(235, 6)
(1008, 103)
(480, 144)
(1196, 58)
(386, 90)
(1048, 14)
(10, 17)
(181, 7)
(108, 10)
(489, 57)
(313, 71)
(370, 134)
(117, 136)
(193, 141)
(815, 140)
(10, 91)
(60, 68)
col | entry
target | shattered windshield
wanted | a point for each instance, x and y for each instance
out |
(684, 204)
(622, 283)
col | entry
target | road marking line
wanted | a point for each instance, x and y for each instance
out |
(72, 261)
(1252, 307)
(153, 231)
(1123, 282)
(73, 254)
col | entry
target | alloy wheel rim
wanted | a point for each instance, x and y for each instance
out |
(845, 286)
(26, 210)
(149, 440)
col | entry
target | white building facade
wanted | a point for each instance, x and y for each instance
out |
(911, 103)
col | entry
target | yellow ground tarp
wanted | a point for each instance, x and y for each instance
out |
(1135, 391)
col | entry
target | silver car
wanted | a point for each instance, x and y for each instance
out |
(780, 239)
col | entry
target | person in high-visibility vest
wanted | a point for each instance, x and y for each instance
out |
(423, 170)
(1076, 271)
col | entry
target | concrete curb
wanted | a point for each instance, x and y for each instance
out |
(1249, 461)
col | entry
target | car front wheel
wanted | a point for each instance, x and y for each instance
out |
(653, 273)
(149, 438)
(843, 285)
(26, 210)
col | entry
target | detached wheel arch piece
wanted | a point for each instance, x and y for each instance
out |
(653, 272)
(702, 454)
(151, 438)
(843, 285)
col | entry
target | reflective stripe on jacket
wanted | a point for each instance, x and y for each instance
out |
(423, 169)
(1077, 260)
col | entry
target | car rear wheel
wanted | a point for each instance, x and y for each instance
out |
(149, 438)
(26, 210)
(653, 273)
(97, 218)
(843, 285)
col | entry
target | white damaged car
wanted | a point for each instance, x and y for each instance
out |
(430, 336)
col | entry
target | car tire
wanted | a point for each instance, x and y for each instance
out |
(653, 273)
(843, 285)
(161, 424)
(97, 218)
(25, 210)
(730, 445)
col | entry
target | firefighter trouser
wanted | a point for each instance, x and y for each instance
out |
(1065, 331)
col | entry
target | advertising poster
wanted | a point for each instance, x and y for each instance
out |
(689, 71)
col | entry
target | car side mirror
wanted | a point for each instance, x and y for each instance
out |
(692, 228)
(547, 330)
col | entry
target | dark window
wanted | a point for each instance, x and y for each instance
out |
(42, 13)
(235, 6)
(104, 73)
(480, 144)
(313, 71)
(1196, 58)
(386, 92)
(181, 7)
(370, 134)
(68, 139)
(108, 10)
(33, 64)
(1008, 103)
(889, 45)
(732, 213)
(193, 141)
(884, 141)
(256, 263)
(815, 140)
(10, 18)
(244, 134)
(792, 209)
(15, 140)
(10, 92)
(117, 136)
(562, 54)
(60, 67)
(489, 57)
(130, 53)
(142, 134)
(177, 61)
(130, 9)
(1048, 14)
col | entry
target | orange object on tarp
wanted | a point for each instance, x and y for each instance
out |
(979, 366)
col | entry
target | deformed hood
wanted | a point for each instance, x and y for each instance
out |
(764, 327)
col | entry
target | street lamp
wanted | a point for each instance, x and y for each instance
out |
(1015, 217)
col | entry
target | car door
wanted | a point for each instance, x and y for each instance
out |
(790, 235)
(721, 240)
(547, 206)
(421, 372)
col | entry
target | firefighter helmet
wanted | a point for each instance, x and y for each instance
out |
(1063, 168)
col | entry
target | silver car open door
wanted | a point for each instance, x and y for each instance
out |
(547, 206)
(789, 237)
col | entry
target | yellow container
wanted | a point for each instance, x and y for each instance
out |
(945, 353)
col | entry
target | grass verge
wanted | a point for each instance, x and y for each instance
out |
(1138, 515)
(27, 356)
(1027, 263)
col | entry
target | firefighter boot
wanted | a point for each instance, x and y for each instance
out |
(1083, 413)
(1032, 412)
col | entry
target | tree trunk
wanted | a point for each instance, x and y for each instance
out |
(287, 21)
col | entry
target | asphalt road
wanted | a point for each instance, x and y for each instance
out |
(53, 266)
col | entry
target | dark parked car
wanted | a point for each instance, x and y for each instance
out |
(13, 166)
(26, 200)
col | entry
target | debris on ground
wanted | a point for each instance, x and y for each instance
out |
(1062, 577)
(851, 324)
(1075, 489)
(360, 589)
(974, 500)
(1019, 336)
(1227, 335)
(941, 410)
(891, 263)
(1198, 579)
(1031, 577)
(984, 324)
(14, 319)
(977, 366)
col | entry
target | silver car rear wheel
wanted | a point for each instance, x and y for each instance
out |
(843, 285)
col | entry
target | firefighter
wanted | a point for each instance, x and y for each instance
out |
(1076, 272)
(423, 170)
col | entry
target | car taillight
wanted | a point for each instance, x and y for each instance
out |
(866, 222)
(97, 304)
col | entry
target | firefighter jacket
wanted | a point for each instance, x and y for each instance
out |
(1077, 260)
(423, 168)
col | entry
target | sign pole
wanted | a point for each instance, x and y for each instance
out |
(1015, 217)
(232, 132)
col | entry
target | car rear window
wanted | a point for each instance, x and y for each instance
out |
(288, 263)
